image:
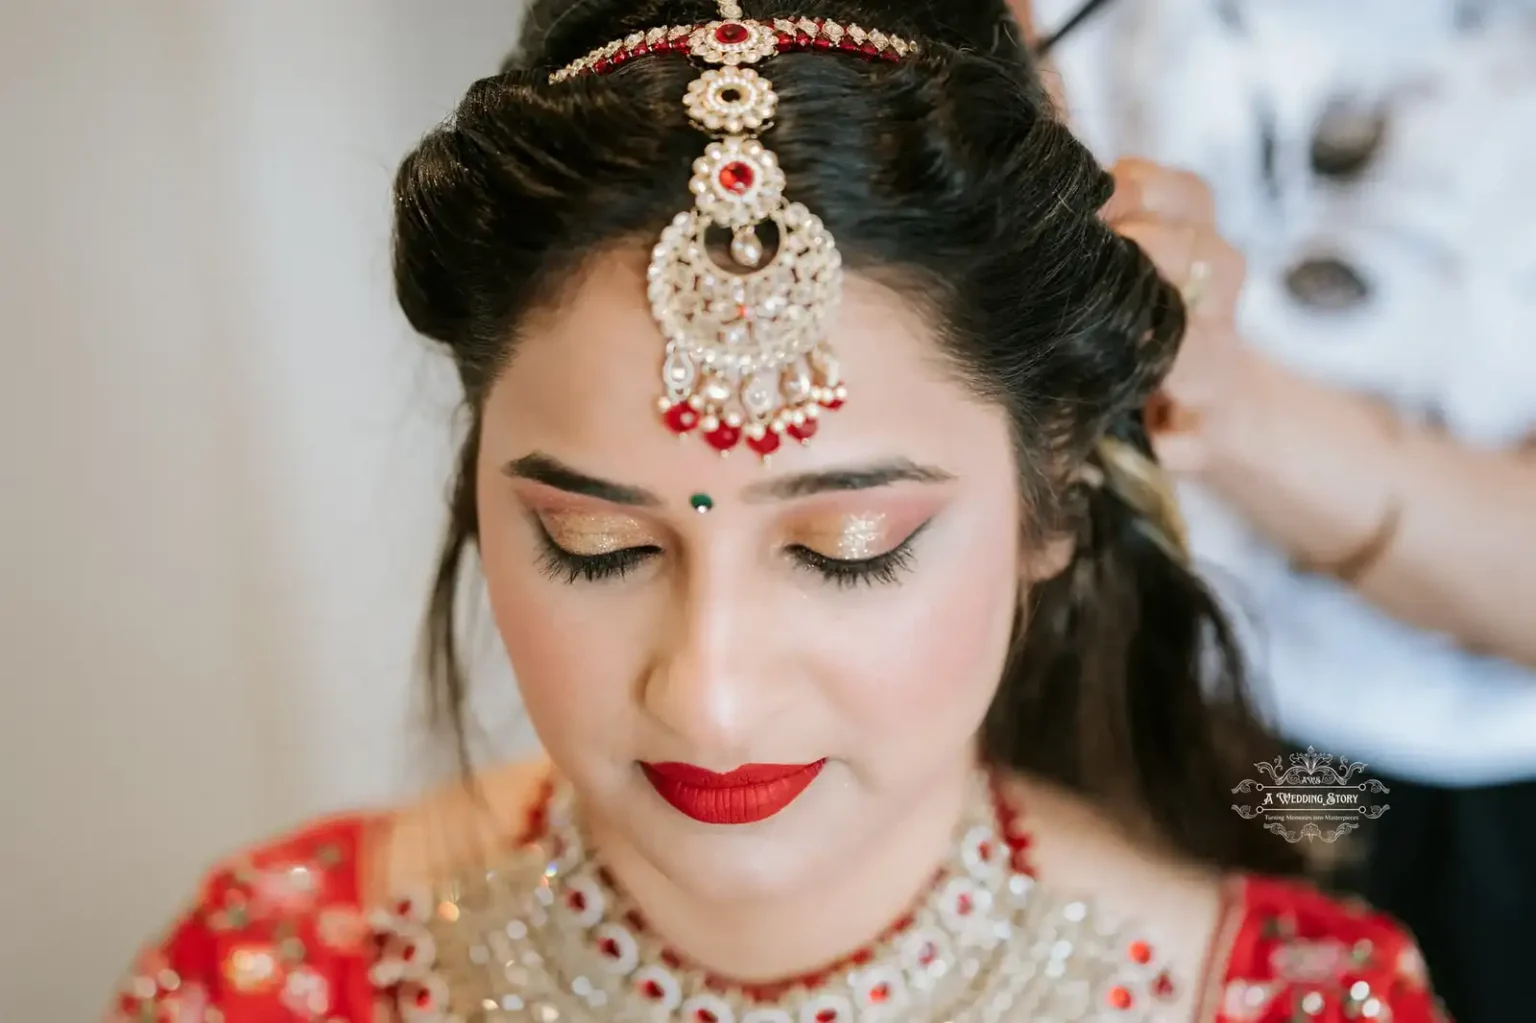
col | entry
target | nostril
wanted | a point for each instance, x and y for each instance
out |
(1327, 283)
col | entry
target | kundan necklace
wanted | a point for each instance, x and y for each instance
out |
(547, 936)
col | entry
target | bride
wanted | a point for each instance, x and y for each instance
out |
(909, 708)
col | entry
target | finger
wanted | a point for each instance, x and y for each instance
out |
(1190, 383)
(1024, 14)
(1125, 202)
(1180, 453)
(1204, 267)
(1166, 191)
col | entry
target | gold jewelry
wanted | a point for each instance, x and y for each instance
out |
(1353, 566)
(1196, 284)
(548, 936)
(747, 357)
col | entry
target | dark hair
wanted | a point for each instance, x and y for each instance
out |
(951, 176)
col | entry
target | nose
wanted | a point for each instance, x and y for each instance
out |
(708, 685)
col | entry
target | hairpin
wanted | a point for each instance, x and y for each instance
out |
(747, 358)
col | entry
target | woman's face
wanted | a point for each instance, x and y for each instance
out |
(847, 607)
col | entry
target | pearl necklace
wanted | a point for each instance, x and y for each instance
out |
(548, 937)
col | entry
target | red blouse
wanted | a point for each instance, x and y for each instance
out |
(280, 935)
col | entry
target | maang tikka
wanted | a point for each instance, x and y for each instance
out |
(747, 357)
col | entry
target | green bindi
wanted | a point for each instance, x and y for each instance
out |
(702, 503)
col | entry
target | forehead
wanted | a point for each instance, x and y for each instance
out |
(585, 379)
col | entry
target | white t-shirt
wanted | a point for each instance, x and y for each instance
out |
(1412, 278)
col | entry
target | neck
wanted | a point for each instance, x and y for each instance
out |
(794, 934)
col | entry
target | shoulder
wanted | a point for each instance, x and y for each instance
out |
(276, 929)
(1287, 948)
(280, 931)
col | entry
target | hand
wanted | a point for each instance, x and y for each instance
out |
(1171, 215)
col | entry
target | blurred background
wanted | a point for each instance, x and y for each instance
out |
(222, 452)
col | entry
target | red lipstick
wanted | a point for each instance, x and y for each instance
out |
(743, 796)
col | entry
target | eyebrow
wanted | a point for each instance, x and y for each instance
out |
(550, 471)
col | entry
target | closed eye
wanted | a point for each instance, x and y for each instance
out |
(567, 566)
(882, 569)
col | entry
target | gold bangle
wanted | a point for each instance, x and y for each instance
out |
(1353, 567)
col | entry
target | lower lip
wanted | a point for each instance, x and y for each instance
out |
(744, 796)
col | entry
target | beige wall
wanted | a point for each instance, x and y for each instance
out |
(221, 452)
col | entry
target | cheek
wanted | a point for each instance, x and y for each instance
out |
(566, 679)
(919, 674)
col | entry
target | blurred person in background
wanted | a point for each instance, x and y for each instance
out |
(926, 720)
(1360, 478)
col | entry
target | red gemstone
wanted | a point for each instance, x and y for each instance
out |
(890, 55)
(652, 990)
(705, 1016)
(682, 417)
(672, 959)
(737, 176)
(1141, 952)
(879, 993)
(620, 58)
(786, 41)
(927, 954)
(803, 431)
(870, 50)
(984, 852)
(1162, 987)
(732, 34)
(827, 1016)
(723, 437)
(601, 66)
(577, 901)
(847, 43)
(964, 905)
(767, 444)
(423, 998)
(863, 957)
(609, 947)
(822, 43)
(641, 50)
(408, 953)
(1119, 998)
(802, 39)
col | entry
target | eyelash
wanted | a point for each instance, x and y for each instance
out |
(560, 564)
(883, 569)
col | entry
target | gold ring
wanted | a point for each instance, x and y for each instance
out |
(1195, 284)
